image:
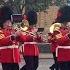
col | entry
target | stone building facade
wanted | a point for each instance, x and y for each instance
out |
(46, 18)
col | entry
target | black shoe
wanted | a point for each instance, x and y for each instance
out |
(52, 67)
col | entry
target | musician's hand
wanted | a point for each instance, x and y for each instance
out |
(58, 36)
(18, 33)
(50, 36)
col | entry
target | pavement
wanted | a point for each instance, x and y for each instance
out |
(45, 56)
(45, 62)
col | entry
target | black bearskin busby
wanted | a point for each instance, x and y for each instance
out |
(63, 15)
(32, 17)
(5, 14)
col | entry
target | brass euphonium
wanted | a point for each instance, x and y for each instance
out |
(24, 28)
(55, 30)
(55, 27)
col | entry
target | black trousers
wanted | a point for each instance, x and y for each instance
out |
(56, 64)
(31, 63)
(64, 65)
(10, 66)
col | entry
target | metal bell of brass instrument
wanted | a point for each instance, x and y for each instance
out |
(54, 30)
(55, 27)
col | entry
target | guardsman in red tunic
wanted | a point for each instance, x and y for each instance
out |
(63, 49)
(30, 47)
(54, 30)
(9, 52)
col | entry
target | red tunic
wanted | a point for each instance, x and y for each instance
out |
(53, 42)
(30, 44)
(9, 52)
(64, 46)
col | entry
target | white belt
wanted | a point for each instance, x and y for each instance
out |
(9, 47)
(63, 47)
(30, 42)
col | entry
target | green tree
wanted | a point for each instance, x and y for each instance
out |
(14, 4)
(37, 5)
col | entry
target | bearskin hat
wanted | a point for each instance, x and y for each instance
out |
(32, 17)
(63, 14)
(5, 14)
